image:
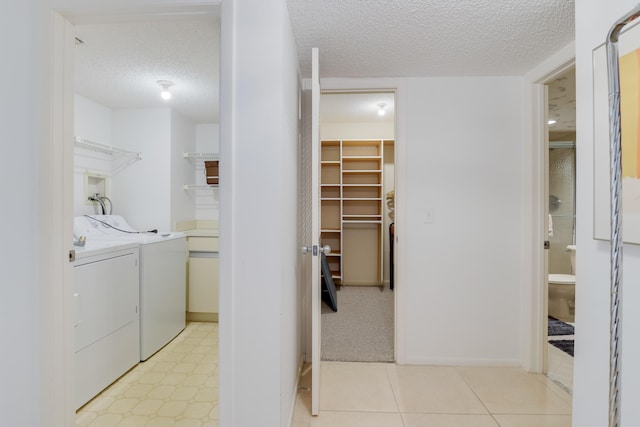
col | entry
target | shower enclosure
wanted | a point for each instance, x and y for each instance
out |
(562, 194)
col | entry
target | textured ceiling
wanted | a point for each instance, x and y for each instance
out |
(390, 38)
(562, 103)
(119, 64)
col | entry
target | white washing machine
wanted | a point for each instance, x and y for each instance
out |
(106, 299)
(163, 275)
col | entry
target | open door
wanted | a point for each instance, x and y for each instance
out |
(310, 171)
(315, 233)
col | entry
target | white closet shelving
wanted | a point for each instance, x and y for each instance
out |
(110, 150)
(117, 158)
(199, 159)
(351, 205)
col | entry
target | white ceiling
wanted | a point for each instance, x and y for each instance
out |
(383, 38)
(120, 62)
(562, 102)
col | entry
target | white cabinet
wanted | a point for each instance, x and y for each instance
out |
(202, 303)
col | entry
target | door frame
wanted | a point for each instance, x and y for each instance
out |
(398, 87)
(534, 280)
(56, 187)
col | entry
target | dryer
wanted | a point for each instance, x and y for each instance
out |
(163, 275)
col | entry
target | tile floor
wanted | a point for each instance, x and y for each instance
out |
(179, 387)
(176, 387)
(560, 368)
(389, 395)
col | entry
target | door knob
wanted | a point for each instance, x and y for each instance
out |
(306, 250)
(326, 249)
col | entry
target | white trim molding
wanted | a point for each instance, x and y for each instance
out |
(534, 295)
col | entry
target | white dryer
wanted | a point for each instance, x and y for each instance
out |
(163, 275)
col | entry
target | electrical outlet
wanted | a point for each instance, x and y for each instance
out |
(428, 216)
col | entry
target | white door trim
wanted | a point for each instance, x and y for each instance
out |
(534, 291)
(56, 194)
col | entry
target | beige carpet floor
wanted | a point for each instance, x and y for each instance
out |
(362, 328)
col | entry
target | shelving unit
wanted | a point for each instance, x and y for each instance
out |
(118, 158)
(352, 209)
(200, 159)
(105, 149)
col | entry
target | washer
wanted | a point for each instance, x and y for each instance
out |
(163, 264)
(106, 298)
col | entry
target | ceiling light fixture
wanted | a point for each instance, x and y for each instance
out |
(552, 122)
(381, 111)
(165, 84)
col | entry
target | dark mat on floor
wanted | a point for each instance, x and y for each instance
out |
(564, 345)
(558, 327)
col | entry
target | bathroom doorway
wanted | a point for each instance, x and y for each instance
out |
(357, 135)
(561, 195)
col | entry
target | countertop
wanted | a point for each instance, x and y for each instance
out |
(201, 232)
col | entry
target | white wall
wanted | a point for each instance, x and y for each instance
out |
(259, 321)
(92, 122)
(292, 287)
(23, 110)
(463, 284)
(365, 130)
(591, 370)
(141, 192)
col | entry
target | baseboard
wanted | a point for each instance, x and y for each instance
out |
(491, 363)
(292, 412)
(202, 317)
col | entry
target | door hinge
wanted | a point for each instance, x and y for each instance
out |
(72, 255)
(546, 244)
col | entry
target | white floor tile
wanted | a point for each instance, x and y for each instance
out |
(349, 386)
(433, 389)
(513, 391)
(448, 420)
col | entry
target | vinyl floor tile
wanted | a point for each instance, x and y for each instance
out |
(176, 387)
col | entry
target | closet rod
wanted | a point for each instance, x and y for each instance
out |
(108, 149)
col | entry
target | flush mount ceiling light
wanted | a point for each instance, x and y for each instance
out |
(165, 85)
(381, 110)
(552, 122)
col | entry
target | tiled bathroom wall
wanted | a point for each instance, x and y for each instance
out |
(561, 185)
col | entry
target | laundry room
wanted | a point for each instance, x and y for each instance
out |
(145, 183)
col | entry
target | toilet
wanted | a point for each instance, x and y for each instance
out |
(562, 291)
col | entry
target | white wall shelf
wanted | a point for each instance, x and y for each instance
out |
(117, 158)
(199, 187)
(105, 149)
(201, 156)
